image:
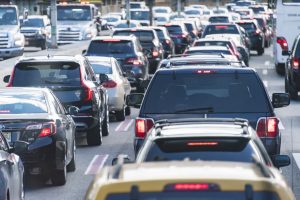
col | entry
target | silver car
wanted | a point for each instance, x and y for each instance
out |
(117, 85)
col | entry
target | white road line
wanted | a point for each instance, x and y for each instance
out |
(128, 125)
(120, 125)
(91, 164)
(267, 63)
(96, 164)
(265, 72)
(102, 163)
(280, 126)
(297, 159)
(265, 83)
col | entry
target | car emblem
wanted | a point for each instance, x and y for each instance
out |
(2, 127)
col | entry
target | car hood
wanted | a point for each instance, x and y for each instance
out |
(30, 28)
(9, 29)
(74, 24)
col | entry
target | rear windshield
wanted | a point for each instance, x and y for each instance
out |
(22, 103)
(143, 36)
(258, 10)
(191, 92)
(218, 19)
(204, 51)
(248, 26)
(193, 195)
(212, 43)
(110, 48)
(189, 27)
(192, 12)
(47, 74)
(161, 10)
(125, 25)
(261, 22)
(101, 68)
(160, 34)
(135, 5)
(221, 29)
(174, 29)
(139, 15)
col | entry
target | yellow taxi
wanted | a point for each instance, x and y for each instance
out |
(189, 180)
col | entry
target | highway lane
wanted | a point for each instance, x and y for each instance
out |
(91, 159)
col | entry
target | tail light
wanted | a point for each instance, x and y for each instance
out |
(257, 32)
(87, 93)
(134, 61)
(44, 129)
(155, 53)
(283, 43)
(267, 127)
(168, 41)
(295, 63)
(142, 127)
(109, 84)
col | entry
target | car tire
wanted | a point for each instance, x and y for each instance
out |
(280, 69)
(105, 124)
(127, 111)
(260, 51)
(120, 115)
(71, 167)
(59, 176)
(94, 135)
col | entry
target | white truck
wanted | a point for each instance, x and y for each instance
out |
(11, 40)
(76, 22)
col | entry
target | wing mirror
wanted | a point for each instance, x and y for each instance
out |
(281, 161)
(84, 52)
(73, 110)
(6, 78)
(103, 78)
(134, 100)
(280, 100)
(121, 159)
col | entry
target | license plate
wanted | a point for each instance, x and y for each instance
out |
(7, 135)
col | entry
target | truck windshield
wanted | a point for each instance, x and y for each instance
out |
(33, 23)
(8, 16)
(140, 15)
(77, 13)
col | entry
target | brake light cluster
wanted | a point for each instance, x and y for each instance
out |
(192, 187)
(109, 84)
(142, 127)
(45, 129)
(267, 127)
(295, 63)
(134, 61)
(283, 43)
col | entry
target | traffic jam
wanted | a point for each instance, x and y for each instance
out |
(150, 102)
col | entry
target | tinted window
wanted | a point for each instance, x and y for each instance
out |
(221, 29)
(218, 19)
(248, 26)
(160, 34)
(8, 16)
(139, 15)
(161, 10)
(174, 29)
(188, 195)
(34, 22)
(135, 5)
(192, 12)
(47, 74)
(212, 43)
(261, 22)
(125, 25)
(98, 47)
(227, 52)
(143, 36)
(189, 27)
(101, 68)
(22, 103)
(78, 13)
(232, 93)
(257, 10)
(161, 19)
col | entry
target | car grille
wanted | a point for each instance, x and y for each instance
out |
(68, 35)
(28, 34)
(3, 41)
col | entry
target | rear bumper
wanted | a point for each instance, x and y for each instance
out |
(115, 101)
(257, 42)
(11, 52)
(84, 123)
(153, 62)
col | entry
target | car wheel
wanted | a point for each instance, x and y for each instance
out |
(59, 176)
(127, 111)
(71, 167)
(105, 124)
(292, 91)
(120, 114)
(94, 135)
(260, 51)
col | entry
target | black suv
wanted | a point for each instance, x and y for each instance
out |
(149, 41)
(128, 51)
(193, 92)
(205, 139)
(180, 36)
(165, 40)
(292, 72)
(255, 34)
(73, 81)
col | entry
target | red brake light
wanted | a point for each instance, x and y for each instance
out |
(295, 63)
(257, 32)
(202, 143)
(111, 40)
(267, 127)
(88, 93)
(283, 43)
(133, 30)
(192, 186)
(168, 41)
(47, 129)
(221, 26)
(109, 84)
(154, 53)
(168, 24)
(142, 127)
(134, 61)
(203, 71)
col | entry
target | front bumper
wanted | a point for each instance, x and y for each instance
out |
(11, 52)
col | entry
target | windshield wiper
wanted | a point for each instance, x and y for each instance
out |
(202, 109)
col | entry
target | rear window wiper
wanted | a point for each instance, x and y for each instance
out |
(202, 109)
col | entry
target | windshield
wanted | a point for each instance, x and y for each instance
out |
(243, 3)
(46, 74)
(33, 22)
(192, 12)
(143, 36)
(110, 48)
(125, 25)
(139, 15)
(220, 29)
(248, 26)
(258, 10)
(218, 19)
(189, 27)
(160, 10)
(22, 103)
(8, 16)
(135, 5)
(212, 43)
(232, 93)
(161, 19)
(160, 34)
(77, 13)
(174, 29)
(208, 51)
(111, 19)
(101, 68)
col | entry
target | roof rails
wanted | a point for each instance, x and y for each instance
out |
(262, 167)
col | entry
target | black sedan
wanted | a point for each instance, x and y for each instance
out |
(41, 131)
(11, 172)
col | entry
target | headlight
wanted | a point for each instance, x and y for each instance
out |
(39, 32)
(87, 34)
(18, 40)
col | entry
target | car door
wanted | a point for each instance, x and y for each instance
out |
(125, 83)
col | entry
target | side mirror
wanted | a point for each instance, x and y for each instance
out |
(84, 52)
(285, 53)
(281, 161)
(280, 100)
(20, 146)
(103, 78)
(134, 100)
(73, 110)
(6, 78)
(121, 159)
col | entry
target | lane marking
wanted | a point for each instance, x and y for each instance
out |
(265, 83)
(265, 72)
(96, 164)
(119, 126)
(280, 125)
(124, 126)
(129, 124)
(297, 159)
(267, 63)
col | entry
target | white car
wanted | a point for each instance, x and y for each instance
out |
(193, 13)
(112, 20)
(117, 85)
(161, 19)
(220, 10)
(161, 10)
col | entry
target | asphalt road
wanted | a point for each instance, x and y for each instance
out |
(92, 159)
